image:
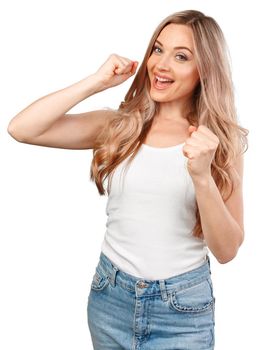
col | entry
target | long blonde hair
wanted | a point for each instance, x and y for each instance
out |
(212, 105)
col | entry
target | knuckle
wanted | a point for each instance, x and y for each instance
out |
(205, 150)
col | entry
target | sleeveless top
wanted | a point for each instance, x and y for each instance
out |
(150, 216)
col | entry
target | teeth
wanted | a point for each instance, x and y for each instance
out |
(162, 79)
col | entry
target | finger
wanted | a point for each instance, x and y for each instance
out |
(129, 67)
(199, 136)
(191, 149)
(126, 66)
(188, 154)
(207, 132)
(134, 67)
(119, 64)
(119, 67)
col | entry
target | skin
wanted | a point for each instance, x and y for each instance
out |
(222, 222)
(179, 64)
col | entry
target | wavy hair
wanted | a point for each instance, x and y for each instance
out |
(212, 104)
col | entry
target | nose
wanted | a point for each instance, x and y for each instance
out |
(163, 64)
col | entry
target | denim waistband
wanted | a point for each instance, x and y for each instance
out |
(143, 287)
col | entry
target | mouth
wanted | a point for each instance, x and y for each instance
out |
(161, 83)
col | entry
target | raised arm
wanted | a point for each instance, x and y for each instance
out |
(45, 122)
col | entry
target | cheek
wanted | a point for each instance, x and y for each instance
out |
(149, 65)
(190, 76)
(191, 72)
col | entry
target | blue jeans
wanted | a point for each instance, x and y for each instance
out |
(127, 312)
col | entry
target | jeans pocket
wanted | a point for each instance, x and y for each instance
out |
(195, 298)
(99, 281)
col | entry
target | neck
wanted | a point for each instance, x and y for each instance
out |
(172, 111)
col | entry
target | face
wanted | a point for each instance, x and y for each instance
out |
(171, 67)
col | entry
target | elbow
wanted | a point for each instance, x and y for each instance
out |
(14, 134)
(228, 256)
(10, 131)
(225, 259)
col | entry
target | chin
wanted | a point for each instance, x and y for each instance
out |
(158, 97)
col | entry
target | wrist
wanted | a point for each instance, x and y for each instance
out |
(91, 85)
(202, 180)
(97, 83)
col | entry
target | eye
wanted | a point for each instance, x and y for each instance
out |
(181, 57)
(156, 49)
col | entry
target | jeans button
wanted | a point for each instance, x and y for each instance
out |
(142, 284)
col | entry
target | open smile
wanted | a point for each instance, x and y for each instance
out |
(162, 82)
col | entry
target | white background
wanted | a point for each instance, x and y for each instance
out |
(52, 217)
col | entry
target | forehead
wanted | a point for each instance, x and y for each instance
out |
(176, 35)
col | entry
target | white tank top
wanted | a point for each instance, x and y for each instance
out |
(151, 213)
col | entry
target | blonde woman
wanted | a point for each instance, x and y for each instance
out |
(173, 157)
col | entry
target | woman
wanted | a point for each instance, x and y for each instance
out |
(177, 138)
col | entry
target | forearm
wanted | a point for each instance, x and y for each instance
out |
(40, 115)
(222, 233)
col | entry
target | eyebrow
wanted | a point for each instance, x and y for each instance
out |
(177, 47)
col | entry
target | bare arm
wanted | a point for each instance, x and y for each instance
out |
(72, 131)
(222, 222)
(40, 115)
(45, 122)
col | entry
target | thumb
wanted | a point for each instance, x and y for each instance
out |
(134, 67)
(191, 128)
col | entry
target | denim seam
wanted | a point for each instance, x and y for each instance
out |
(184, 309)
(170, 289)
(211, 287)
(189, 284)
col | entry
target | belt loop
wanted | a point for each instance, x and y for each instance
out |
(113, 275)
(163, 290)
(208, 260)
